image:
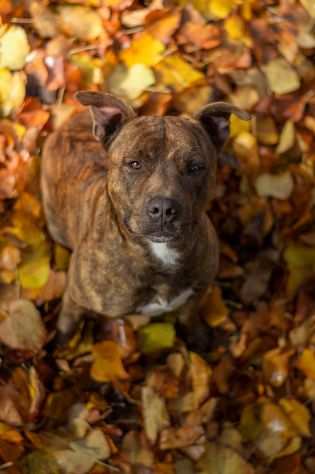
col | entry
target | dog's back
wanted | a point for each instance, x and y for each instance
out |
(72, 160)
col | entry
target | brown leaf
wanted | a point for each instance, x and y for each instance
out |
(22, 328)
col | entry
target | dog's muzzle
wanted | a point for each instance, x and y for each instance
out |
(163, 218)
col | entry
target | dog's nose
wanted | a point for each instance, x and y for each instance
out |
(163, 209)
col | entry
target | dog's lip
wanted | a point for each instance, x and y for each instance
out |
(161, 238)
(155, 237)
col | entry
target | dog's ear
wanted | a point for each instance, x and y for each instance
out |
(215, 119)
(109, 113)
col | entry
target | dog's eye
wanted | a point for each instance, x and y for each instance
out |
(134, 165)
(195, 168)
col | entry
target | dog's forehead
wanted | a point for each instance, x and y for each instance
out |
(164, 135)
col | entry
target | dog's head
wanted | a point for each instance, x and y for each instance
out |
(161, 170)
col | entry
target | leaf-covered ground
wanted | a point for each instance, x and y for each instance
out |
(236, 395)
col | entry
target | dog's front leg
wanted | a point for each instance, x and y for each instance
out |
(69, 317)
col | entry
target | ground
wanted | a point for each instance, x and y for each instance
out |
(237, 396)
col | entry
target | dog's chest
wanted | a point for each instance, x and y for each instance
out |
(160, 305)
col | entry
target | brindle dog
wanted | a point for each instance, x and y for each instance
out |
(128, 195)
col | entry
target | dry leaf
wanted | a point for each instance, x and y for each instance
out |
(81, 22)
(281, 76)
(279, 186)
(306, 363)
(155, 414)
(276, 366)
(12, 91)
(176, 73)
(14, 47)
(221, 459)
(22, 328)
(144, 49)
(131, 82)
(107, 365)
(156, 337)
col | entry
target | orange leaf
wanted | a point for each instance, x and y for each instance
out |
(107, 365)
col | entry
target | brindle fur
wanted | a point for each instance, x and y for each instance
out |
(95, 206)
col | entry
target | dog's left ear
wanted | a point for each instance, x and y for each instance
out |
(109, 113)
(215, 120)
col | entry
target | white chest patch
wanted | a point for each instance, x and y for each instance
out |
(160, 306)
(163, 252)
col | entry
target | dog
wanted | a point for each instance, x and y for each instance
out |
(128, 195)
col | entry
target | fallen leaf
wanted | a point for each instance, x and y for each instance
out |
(34, 270)
(309, 6)
(221, 459)
(176, 438)
(306, 363)
(298, 414)
(12, 91)
(279, 186)
(155, 414)
(81, 22)
(300, 261)
(107, 365)
(276, 366)
(144, 49)
(39, 462)
(22, 328)
(14, 47)
(131, 82)
(200, 373)
(176, 73)
(287, 137)
(266, 130)
(156, 337)
(281, 76)
(214, 310)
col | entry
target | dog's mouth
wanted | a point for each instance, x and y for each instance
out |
(162, 235)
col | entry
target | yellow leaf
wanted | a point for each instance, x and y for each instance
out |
(81, 22)
(222, 8)
(12, 90)
(156, 337)
(309, 5)
(34, 269)
(200, 374)
(281, 76)
(62, 257)
(154, 413)
(306, 363)
(301, 265)
(224, 460)
(28, 203)
(298, 414)
(238, 126)
(14, 47)
(235, 28)
(287, 137)
(275, 366)
(7, 433)
(214, 309)
(266, 130)
(131, 82)
(144, 49)
(25, 229)
(279, 186)
(178, 74)
(107, 365)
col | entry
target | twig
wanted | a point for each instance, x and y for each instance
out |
(21, 21)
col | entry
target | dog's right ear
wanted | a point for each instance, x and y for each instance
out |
(109, 113)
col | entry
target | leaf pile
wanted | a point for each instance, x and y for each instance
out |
(237, 394)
